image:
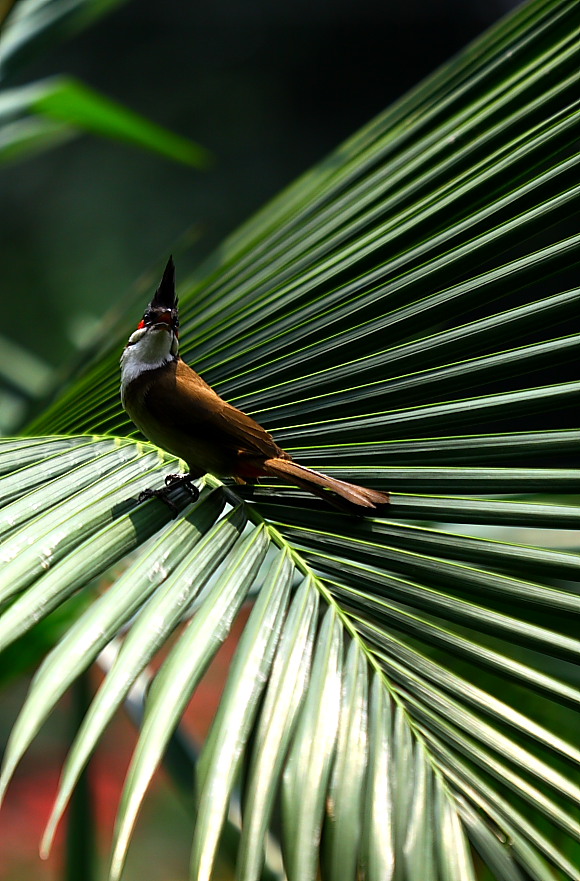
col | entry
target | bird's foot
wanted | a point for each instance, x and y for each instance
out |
(161, 494)
(184, 480)
(172, 481)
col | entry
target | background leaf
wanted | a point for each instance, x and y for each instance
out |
(66, 106)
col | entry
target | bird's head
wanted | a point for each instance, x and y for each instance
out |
(156, 339)
(158, 330)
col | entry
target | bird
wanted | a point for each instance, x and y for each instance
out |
(178, 411)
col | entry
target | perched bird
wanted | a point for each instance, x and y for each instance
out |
(179, 412)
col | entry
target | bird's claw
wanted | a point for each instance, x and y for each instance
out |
(184, 480)
(172, 481)
(161, 494)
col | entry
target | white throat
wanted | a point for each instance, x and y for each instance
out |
(153, 348)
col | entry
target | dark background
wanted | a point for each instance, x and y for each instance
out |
(269, 88)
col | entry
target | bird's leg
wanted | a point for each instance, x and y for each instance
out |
(172, 481)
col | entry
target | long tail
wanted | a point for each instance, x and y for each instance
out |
(318, 484)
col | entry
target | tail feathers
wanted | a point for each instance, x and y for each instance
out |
(318, 483)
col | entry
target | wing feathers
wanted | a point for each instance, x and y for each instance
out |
(199, 411)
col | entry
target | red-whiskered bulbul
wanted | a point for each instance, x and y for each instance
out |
(179, 412)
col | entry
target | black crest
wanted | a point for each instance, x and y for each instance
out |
(165, 297)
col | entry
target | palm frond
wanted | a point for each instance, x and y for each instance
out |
(404, 316)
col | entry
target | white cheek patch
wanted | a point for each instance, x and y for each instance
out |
(136, 336)
(148, 349)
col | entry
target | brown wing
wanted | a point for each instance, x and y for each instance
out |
(199, 411)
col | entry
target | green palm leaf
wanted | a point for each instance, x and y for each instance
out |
(406, 687)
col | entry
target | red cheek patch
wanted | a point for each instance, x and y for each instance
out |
(141, 324)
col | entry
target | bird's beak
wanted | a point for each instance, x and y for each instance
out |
(164, 320)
